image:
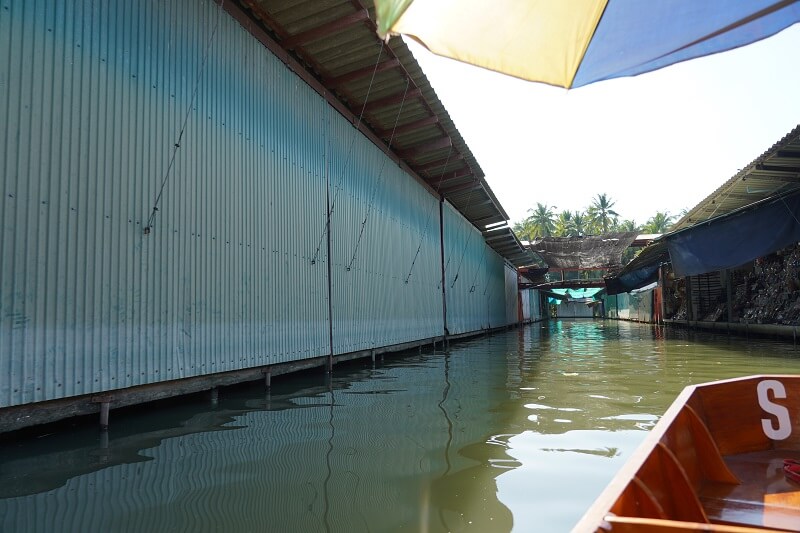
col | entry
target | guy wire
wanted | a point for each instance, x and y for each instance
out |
(428, 218)
(337, 188)
(177, 144)
(379, 178)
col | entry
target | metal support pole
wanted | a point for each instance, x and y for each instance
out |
(268, 378)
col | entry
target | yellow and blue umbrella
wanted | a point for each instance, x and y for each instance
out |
(570, 43)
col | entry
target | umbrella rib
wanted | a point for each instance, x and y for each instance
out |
(739, 23)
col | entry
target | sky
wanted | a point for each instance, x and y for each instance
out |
(661, 141)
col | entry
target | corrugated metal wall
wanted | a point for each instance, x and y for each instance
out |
(531, 304)
(480, 291)
(96, 97)
(536, 305)
(495, 289)
(574, 310)
(525, 299)
(610, 305)
(466, 274)
(512, 295)
(385, 249)
(641, 306)
(627, 306)
(110, 109)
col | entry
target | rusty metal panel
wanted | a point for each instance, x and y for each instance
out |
(102, 104)
(385, 254)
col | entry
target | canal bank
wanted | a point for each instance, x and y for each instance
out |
(758, 298)
(519, 430)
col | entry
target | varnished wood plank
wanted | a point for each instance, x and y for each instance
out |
(623, 524)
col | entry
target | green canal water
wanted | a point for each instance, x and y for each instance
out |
(518, 431)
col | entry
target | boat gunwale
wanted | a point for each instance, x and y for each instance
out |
(595, 515)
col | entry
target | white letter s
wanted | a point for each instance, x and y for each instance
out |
(784, 428)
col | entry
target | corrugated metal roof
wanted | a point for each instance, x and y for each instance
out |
(776, 171)
(333, 46)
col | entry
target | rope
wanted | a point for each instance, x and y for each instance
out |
(347, 157)
(177, 144)
(378, 181)
(428, 218)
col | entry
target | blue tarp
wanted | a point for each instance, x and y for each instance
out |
(734, 239)
(630, 281)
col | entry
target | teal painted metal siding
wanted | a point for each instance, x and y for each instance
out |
(94, 98)
(512, 297)
(102, 105)
(475, 278)
(385, 266)
(495, 290)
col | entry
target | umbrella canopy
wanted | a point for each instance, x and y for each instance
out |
(570, 43)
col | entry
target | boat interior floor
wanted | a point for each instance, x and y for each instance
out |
(765, 498)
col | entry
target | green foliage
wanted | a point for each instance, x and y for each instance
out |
(601, 214)
(625, 225)
(579, 223)
(658, 223)
(540, 223)
(598, 219)
(563, 224)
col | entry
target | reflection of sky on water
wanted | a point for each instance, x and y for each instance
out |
(516, 431)
(560, 474)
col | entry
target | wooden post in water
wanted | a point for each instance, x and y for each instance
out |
(104, 454)
(105, 407)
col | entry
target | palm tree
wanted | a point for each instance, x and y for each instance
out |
(541, 220)
(658, 223)
(578, 224)
(563, 225)
(626, 225)
(600, 213)
(524, 230)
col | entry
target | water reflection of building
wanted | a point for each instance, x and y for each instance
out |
(331, 456)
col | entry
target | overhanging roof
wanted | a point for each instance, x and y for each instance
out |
(333, 46)
(776, 171)
(642, 269)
